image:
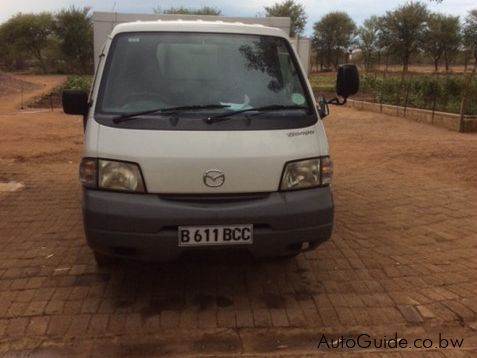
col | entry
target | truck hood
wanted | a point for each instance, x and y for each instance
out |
(176, 162)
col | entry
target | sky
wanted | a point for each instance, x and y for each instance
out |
(357, 9)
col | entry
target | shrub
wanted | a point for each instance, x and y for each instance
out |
(422, 91)
(78, 83)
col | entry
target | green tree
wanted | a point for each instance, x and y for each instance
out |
(442, 38)
(333, 34)
(74, 29)
(470, 33)
(181, 10)
(433, 44)
(29, 34)
(368, 40)
(11, 57)
(453, 39)
(404, 30)
(293, 10)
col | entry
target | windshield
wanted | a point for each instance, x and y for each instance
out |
(147, 71)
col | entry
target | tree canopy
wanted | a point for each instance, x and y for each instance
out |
(63, 41)
(368, 40)
(292, 9)
(29, 34)
(74, 30)
(404, 29)
(181, 10)
(470, 33)
(441, 38)
(333, 34)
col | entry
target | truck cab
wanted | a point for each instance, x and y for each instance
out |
(203, 136)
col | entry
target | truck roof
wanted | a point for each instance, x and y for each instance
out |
(197, 26)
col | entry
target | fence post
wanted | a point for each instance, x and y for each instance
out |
(434, 106)
(463, 102)
(399, 93)
(381, 90)
(381, 97)
(379, 66)
(462, 116)
(408, 88)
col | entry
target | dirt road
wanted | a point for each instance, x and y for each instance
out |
(403, 257)
(35, 85)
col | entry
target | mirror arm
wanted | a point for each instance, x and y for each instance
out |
(336, 100)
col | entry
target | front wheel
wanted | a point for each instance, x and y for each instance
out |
(289, 256)
(103, 260)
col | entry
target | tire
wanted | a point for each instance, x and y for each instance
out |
(289, 256)
(103, 260)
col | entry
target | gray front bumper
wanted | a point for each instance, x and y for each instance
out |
(145, 225)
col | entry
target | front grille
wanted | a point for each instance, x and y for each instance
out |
(214, 198)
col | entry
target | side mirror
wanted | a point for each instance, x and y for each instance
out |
(75, 102)
(322, 107)
(347, 81)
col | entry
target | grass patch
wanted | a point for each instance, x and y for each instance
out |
(78, 83)
(53, 99)
(324, 83)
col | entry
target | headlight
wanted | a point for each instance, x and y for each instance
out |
(119, 176)
(306, 173)
(111, 174)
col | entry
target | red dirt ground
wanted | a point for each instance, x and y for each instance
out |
(402, 257)
(33, 86)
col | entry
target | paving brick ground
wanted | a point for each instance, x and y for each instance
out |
(402, 257)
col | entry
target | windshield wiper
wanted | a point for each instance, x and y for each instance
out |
(128, 116)
(273, 107)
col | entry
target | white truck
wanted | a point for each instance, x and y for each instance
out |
(203, 136)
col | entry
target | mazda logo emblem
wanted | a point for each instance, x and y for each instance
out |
(214, 178)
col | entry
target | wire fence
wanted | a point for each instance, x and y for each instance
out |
(453, 93)
(438, 92)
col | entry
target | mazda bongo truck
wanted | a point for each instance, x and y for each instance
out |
(203, 136)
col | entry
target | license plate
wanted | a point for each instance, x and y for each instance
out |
(215, 235)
